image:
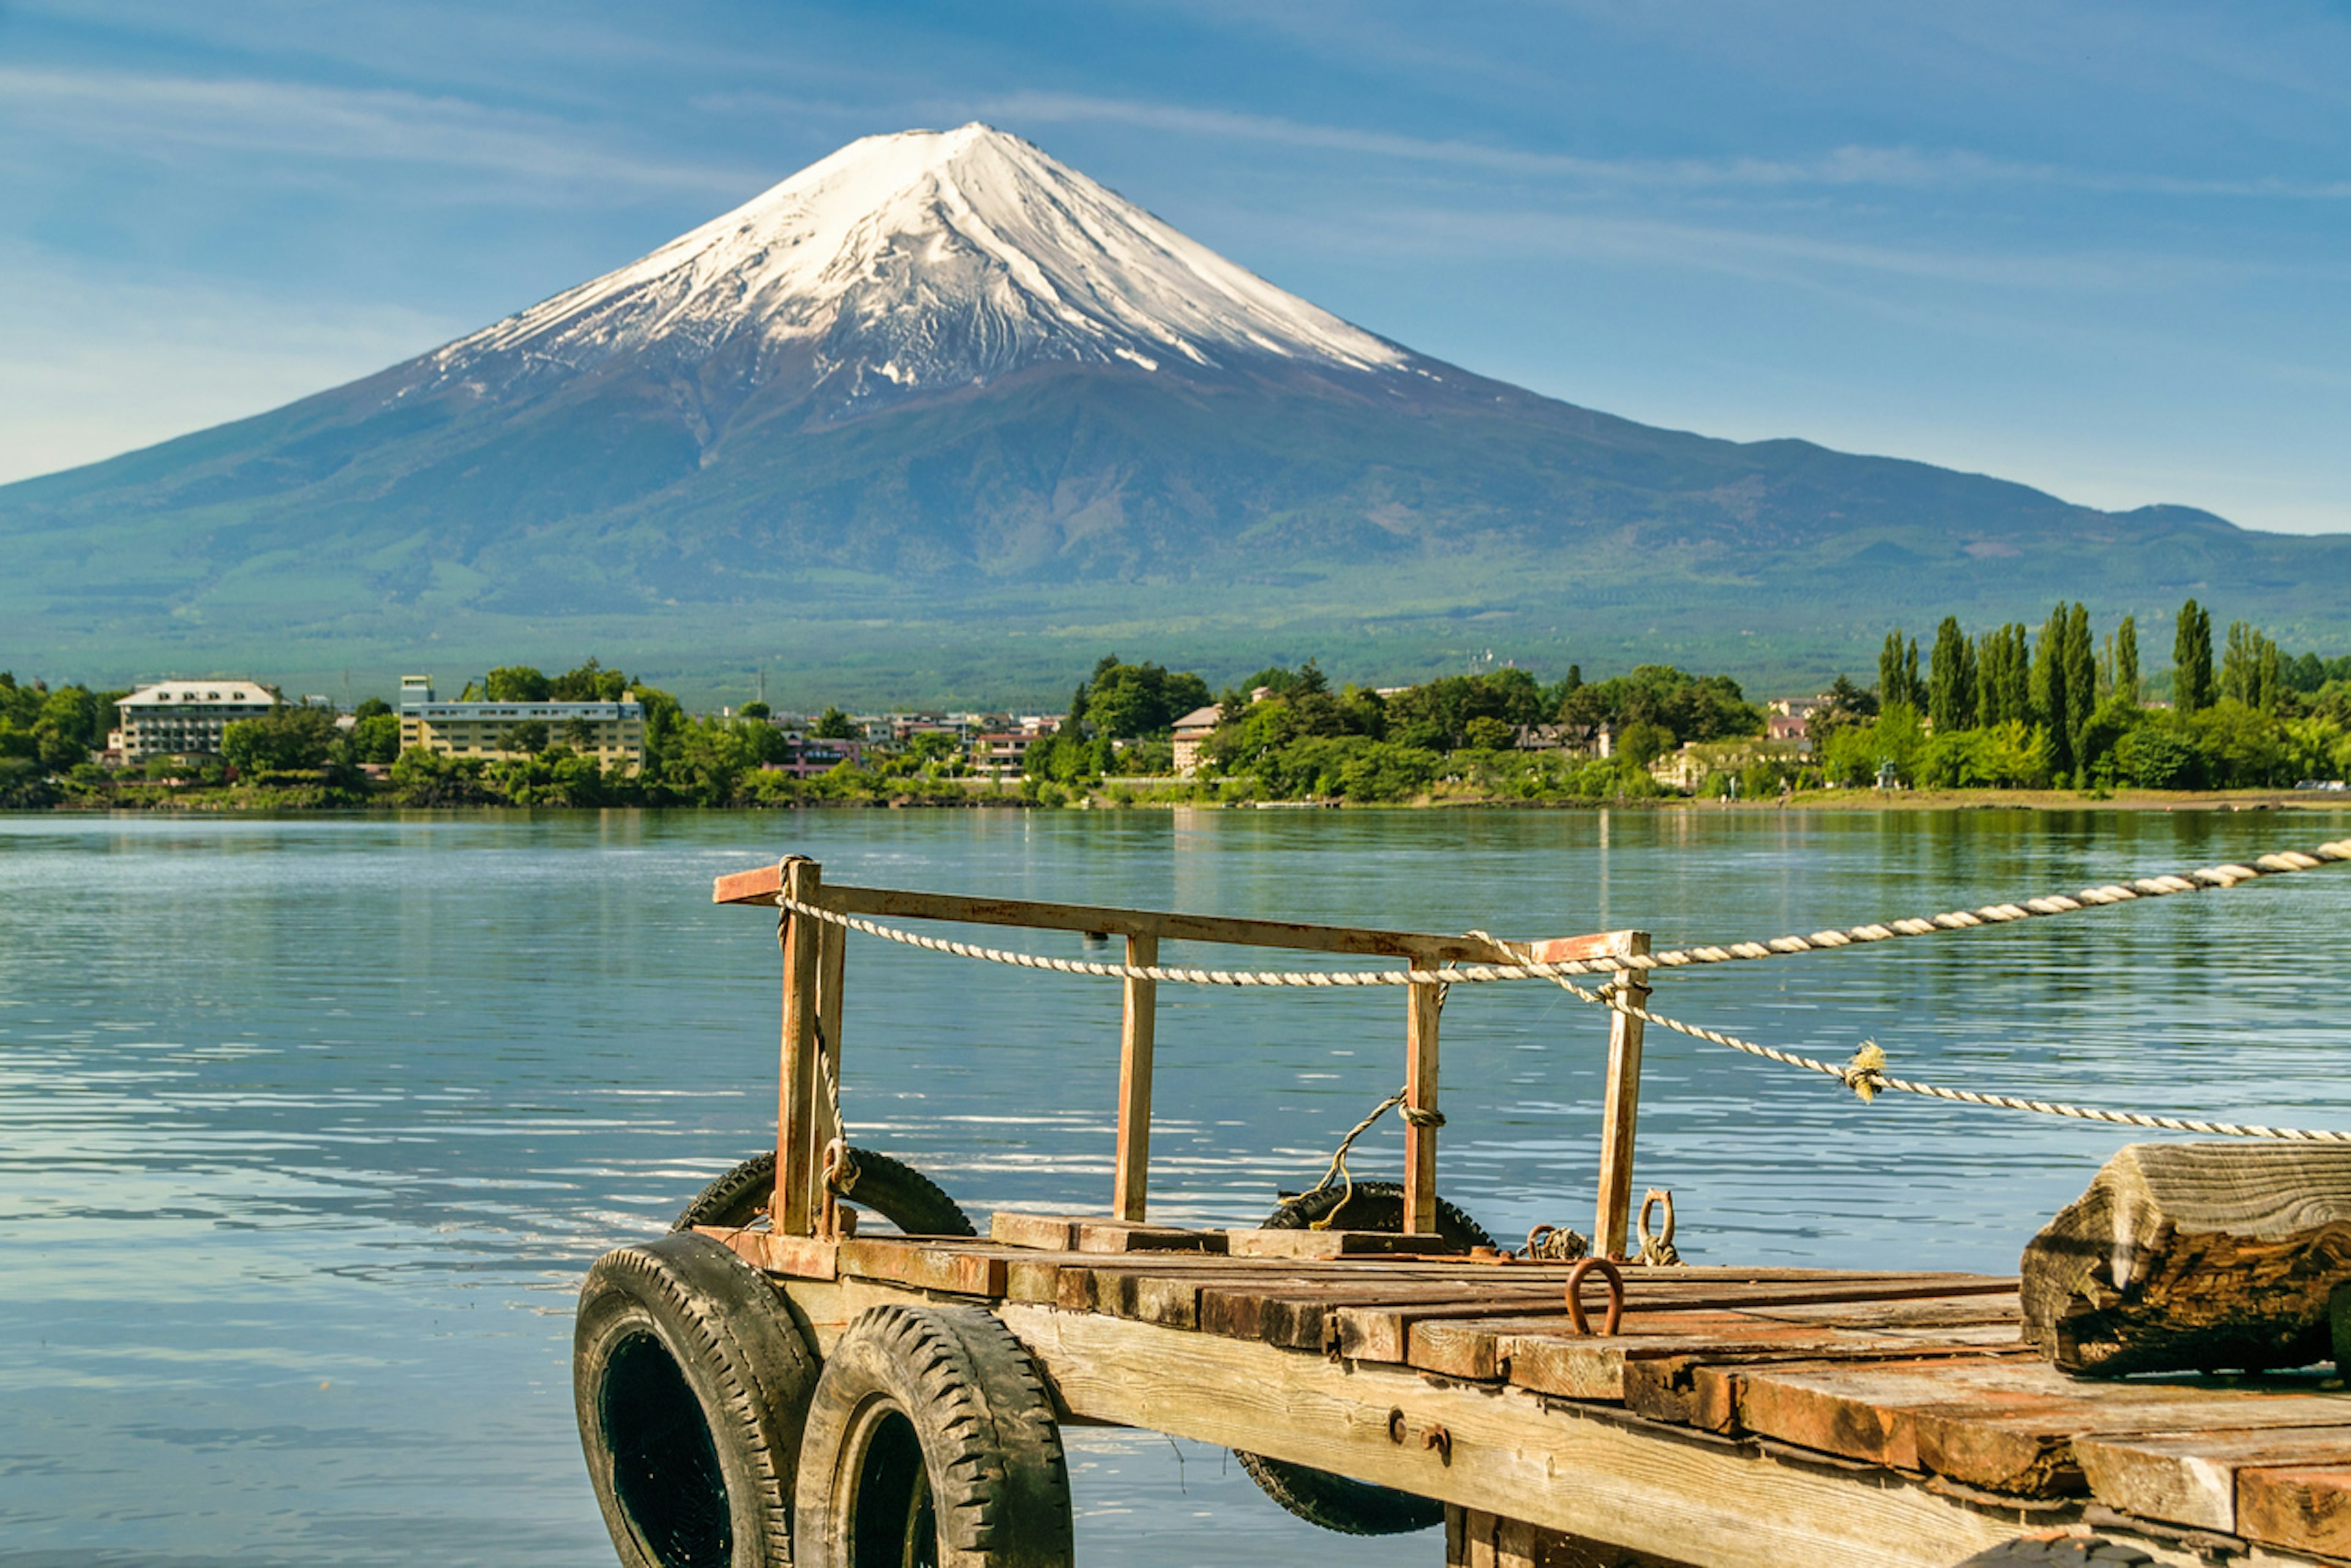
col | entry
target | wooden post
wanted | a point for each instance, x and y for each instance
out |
(1622, 1112)
(797, 1092)
(1136, 1032)
(1420, 1095)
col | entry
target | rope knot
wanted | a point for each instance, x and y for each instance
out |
(1866, 1073)
(1415, 1116)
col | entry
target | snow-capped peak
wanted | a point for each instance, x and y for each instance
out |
(923, 260)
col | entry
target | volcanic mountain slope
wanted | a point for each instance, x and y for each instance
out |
(941, 378)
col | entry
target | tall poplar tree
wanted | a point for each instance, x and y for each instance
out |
(1897, 672)
(2126, 660)
(2192, 659)
(1951, 681)
(2081, 681)
(2051, 688)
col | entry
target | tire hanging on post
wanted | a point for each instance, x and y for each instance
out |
(1335, 1502)
(931, 1443)
(891, 1189)
(691, 1384)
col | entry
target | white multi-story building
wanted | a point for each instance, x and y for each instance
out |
(614, 733)
(184, 719)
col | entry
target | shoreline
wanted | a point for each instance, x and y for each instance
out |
(1844, 801)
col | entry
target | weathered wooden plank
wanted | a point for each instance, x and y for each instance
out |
(758, 886)
(2305, 1509)
(924, 1266)
(1032, 1279)
(1046, 1232)
(2191, 1477)
(2182, 1256)
(1959, 1312)
(1477, 1539)
(1702, 1389)
(802, 1257)
(1701, 1503)
(1554, 1358)
(2004, 1425)
(1096, 1233)
(1329, 1244)
(1375, 1325)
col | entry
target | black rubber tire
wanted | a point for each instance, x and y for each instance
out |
(1319, 1497)
(934, 1397)
(2070, 1553)
(691, 1384)
(891, 1189)
(1372, 1206)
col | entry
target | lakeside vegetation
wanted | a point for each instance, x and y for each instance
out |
(2006, 710)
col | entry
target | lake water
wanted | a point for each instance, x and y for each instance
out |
(309, 1128)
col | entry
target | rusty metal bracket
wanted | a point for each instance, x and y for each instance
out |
(1575, 1278)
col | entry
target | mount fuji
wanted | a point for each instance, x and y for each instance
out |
(938, 416)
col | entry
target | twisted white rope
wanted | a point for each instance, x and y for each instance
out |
(1866, 1075)
(2282, 862)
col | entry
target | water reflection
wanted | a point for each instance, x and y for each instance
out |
(308, 1128)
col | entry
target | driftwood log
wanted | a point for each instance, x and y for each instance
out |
(2195, 1257)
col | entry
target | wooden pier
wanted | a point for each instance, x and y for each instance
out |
(1726, 1416)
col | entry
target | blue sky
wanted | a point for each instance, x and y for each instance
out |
(2100, 248)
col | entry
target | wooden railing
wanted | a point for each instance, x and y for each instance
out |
(814, 952)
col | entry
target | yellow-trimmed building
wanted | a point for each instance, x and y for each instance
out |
(614, 733)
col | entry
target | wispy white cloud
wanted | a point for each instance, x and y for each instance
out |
(168, 118)
(93, 364)
(1903, 167)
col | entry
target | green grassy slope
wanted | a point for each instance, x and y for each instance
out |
(980, 546)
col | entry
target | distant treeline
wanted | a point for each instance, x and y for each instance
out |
(2063, 708)
(1501, 732)
(2008, 707)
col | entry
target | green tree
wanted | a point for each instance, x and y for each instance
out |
(1489, 734)
(66, 727)
(2192, 659)
(2161, 755)
(1897, 672)
(372, 707)
(2126, 682)
(284, 738)
(1129, 701)
(529, 738)
(1951, 693)
(832, 725)
(590, 683)
(756, 709)
(2251, 668)
(375, 738)
(515, 684)
(1641, 743)
(2003, 683)
(2081, 684)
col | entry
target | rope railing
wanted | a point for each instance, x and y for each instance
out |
(2278, 863)
(1865, 1073)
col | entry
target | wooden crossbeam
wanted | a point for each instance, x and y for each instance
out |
(758, 886)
